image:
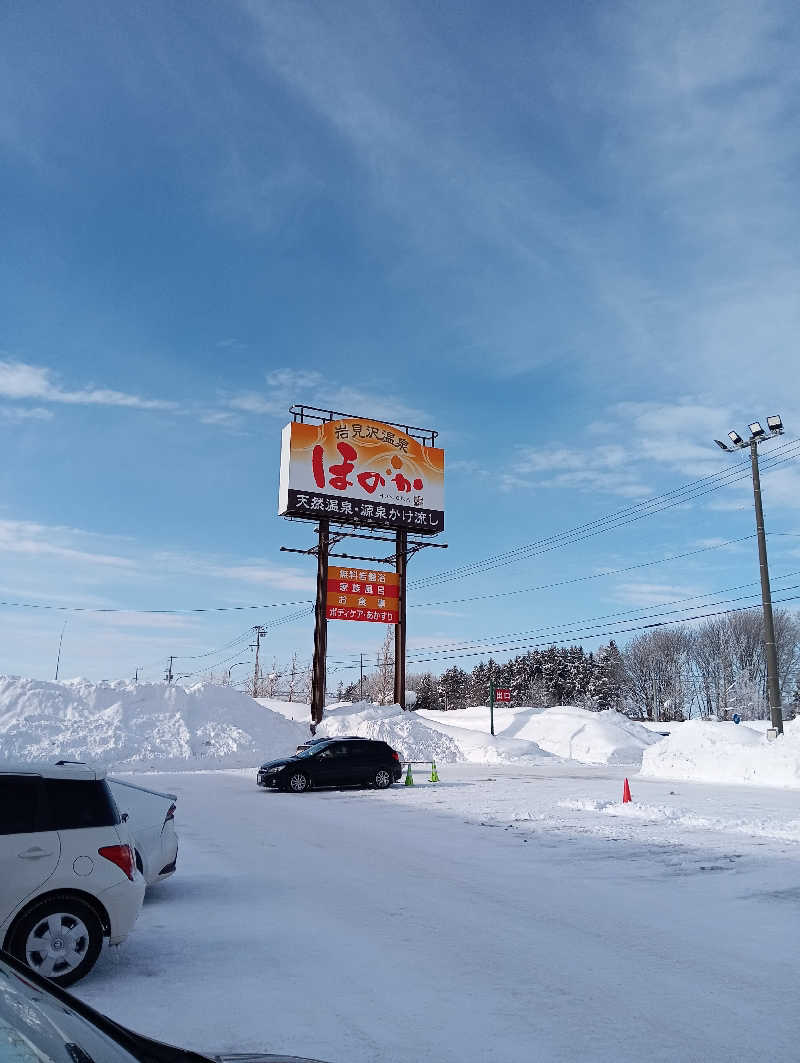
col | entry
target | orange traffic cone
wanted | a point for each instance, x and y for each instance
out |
(626, 793)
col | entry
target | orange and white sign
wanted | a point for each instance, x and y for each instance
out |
(357, 471)
(362, 594)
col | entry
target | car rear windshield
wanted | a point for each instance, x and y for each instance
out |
(74, 803)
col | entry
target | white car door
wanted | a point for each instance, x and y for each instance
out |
(28, 857)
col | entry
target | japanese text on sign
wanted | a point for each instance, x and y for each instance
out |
(362, 594)
(362, 472)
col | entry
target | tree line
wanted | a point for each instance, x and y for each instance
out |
(716, 668)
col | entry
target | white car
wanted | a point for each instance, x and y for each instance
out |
(151, 819)
(69, 875)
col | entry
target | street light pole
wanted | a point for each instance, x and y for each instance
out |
(773, 686)
(758, 435)
(232, 668)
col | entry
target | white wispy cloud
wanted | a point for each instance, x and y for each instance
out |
(284, 387)
(640, 593)
(22, 381)
(606, 468)
(677, 118)
(20, 414)
(32, 540)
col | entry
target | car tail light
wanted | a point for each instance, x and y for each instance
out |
(122, 856)
(395, 755)
(170, 812)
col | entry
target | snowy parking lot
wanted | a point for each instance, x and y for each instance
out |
(509, 913)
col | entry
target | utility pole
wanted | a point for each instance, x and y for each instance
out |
(362, 676)
(401, 562)
(758, 435)
(169, 676)
(136, 676)
(292, 676)
(318, 673)
(60, 643)
(260, 634)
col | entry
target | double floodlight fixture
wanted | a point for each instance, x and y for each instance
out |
(757, 434)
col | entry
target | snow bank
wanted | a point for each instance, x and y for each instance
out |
(565, 731)
(404, 731)
(416, 735)
(722, 752)
(150, 725)
(590, 737)
(478, 747)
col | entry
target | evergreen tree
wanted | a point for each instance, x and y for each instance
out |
(453, 688)
(427, 693)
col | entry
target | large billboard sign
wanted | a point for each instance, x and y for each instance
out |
(362, 594)
(356, 471)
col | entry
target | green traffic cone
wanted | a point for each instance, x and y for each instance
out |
(409, 777)
(434, 773)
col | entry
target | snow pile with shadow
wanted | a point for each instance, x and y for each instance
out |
(726, 753)
(564, 731)
(477, 746)
(404, 731)
(139, 727)
(591, 737)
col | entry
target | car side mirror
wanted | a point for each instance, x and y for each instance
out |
(124, 817)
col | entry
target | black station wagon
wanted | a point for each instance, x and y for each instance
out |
(334, 762)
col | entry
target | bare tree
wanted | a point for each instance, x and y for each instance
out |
(386, 668)
(656, 674)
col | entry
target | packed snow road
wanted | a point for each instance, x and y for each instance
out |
(361, 926)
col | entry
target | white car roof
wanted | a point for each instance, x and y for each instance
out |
(49, 770)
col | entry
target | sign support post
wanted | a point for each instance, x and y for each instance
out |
(318, 672)
(401, 558)
(491, 706)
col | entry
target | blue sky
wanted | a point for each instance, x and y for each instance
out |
(565, 235)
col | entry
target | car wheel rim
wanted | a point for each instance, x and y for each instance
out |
(298, 783)
(57, 944)
(382, 778)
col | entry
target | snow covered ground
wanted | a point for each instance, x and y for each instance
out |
(494, 916)
(516, 910)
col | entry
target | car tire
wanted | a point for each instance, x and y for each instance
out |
(139, 864)
(382, 779)
(67, 921)
(298, 782)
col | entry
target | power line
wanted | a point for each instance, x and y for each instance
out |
(609, 522)
(654, 611)
(414, 605)
(196, 656)
(493, 642)
(533, 644)
(725, 477)
(152, 612)
(513, 638)
(591, 576)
